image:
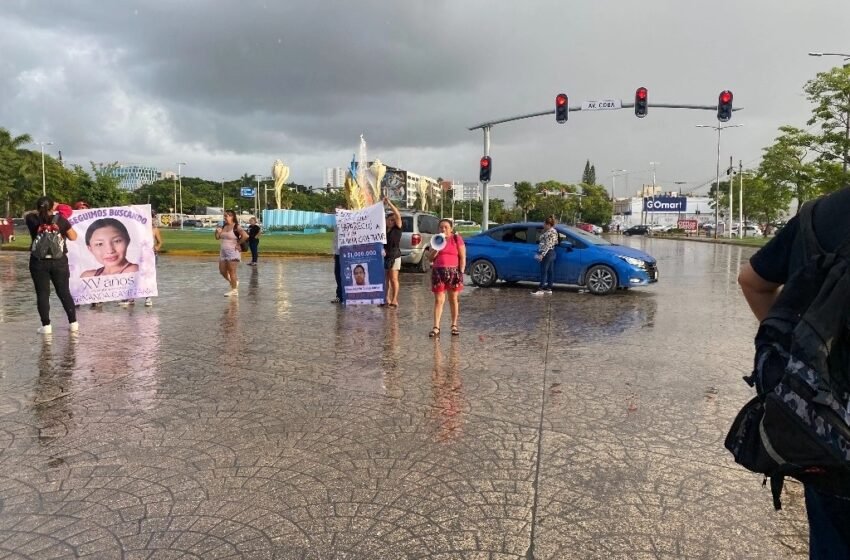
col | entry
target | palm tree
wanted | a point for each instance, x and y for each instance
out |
(11, 162)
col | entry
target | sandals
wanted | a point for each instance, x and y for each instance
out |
(455, 331)
(392, 304)
(434, 332)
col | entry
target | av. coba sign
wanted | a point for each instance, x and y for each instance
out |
(665, 204)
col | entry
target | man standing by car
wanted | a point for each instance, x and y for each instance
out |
(761, 281)
(546, 256)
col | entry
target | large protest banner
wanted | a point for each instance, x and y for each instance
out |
(361, 235)
(113, 257)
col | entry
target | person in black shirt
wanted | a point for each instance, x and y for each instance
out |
(254, 232)
(52, 217)
(761, 280)
(392, 254)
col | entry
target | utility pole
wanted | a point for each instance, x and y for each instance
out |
(731, 209)
(742, 231)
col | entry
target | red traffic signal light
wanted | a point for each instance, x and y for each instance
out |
(562, 108)
(641, 105)
(724, 106)
(486, 169)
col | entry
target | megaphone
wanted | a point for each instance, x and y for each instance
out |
(438, 242)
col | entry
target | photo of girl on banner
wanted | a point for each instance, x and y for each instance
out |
(113, 257)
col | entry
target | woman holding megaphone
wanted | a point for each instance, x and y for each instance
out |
(448, 258)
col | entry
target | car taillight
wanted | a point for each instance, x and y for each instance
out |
(415, 239)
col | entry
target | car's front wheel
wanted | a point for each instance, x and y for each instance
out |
(601, 280)
(483, 273)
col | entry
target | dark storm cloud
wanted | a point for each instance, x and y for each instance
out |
(232, 84)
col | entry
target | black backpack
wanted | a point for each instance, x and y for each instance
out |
(49, 242)
(798, 424)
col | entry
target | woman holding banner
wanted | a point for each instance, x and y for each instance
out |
(230, 235)
(447, 276)
(392, 254)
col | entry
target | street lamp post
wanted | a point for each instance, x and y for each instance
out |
(846, 116)
(719, 128)
(614, 173)
(180, 182)
(43, 174)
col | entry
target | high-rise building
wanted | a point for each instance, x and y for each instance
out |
(334, 178)
(133, 176)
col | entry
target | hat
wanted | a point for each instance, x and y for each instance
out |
(81, 205)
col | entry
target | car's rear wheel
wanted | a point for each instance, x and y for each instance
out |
(601, 280)
(424, 264)
(483, 273)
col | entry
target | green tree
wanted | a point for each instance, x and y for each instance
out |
(786, 164)
(11, 162)
(586, 177)
(526, 197)
(830, 94)
(100, 188)
(592, 175)
(596, 206)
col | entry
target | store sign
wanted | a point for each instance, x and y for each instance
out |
(688, 225)
(665, 204)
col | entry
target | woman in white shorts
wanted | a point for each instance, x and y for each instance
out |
(392, 254)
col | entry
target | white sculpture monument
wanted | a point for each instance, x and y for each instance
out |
(280, 173)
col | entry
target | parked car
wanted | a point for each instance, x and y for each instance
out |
(583, 259)
(750, 230)
(638, 230)
(417, 229)
(187, 224)
(589, 228)
(660, 228)
(465, 224)
(7, 230)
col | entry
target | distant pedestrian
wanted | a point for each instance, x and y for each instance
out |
(392, 254)
(337, 265)
(50, 230)
(546, 256)
(447, 276)
(230, 235)
(254, 233)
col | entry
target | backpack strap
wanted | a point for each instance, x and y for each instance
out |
(811, 245)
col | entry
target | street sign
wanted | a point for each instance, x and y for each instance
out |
(247, 192)
(602, 105)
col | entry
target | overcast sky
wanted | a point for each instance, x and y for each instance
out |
(230, 86)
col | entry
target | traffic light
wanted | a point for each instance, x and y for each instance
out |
(486, 169)
(640, 102)
(724, 106)
(562, 108)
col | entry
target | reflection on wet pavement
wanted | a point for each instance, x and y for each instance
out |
(278, 425)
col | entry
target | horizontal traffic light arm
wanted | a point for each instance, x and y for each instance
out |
(622, 106)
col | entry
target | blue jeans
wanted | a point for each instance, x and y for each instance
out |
(829, 525)
(547, 270)
(253, 244)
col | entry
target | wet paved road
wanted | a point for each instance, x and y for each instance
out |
(281, 426)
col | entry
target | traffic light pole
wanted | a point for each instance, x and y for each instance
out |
(485, 198)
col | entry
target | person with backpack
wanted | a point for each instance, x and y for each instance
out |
(798, 425)
(231, 237)
(50, 230)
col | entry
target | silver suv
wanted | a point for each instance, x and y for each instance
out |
(417, 229)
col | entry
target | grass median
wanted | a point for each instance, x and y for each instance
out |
(189, 242)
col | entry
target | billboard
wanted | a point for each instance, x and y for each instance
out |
(247, 192)
(673, 204)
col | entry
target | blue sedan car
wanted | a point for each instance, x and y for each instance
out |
(507, 253)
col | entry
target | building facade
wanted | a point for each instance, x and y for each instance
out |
(334, 178)
(134, 176)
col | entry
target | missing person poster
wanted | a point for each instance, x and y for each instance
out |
(113, 257)
(361, 235)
